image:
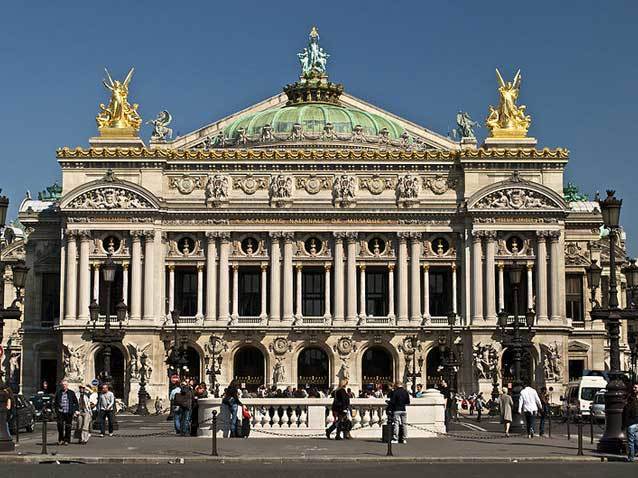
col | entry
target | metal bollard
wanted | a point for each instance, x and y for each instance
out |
(569, 435)
(580, 436)
(591, 429)
(44, 437)
(549, 423)
(390, 432)
(214, 433)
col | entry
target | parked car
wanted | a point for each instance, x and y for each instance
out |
(598, 406)
(22, 414)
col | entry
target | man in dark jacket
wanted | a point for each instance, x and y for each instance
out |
(340, 406)
(183, 407)
(66, 405)
(630, 423)
(399, 398)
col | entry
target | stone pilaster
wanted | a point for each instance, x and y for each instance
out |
(490, 279)
(362, 292)
(426, 293)
(288, 276)
(275, 275)
(351, 271)
(554, 260)
(477, 277)
(339, 305)
(224, 265)
(211, 275)
(71, 275)
(415, 279)
(149, 276)
(403, 292)
(85, 276)
(136, 275)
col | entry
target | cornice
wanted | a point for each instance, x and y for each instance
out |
(510, 153)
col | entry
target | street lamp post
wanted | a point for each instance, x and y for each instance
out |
(141, 394)
(613, 438)
(215, 365)
(452, 355)
(516, 345)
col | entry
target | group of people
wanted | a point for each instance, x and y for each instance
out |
(84, 405)
(184, 402)
(531, 404)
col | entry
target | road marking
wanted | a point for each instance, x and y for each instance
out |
(471, 426)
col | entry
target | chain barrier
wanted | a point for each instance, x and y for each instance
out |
(468, 436)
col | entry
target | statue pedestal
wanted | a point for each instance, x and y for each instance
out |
(116, 142)
(468, 143)
(510, 143)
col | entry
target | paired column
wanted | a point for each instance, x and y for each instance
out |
(264, 284)
(96, 281)
(275, 274)
(490, 273)
(554, 260)
(200, 291)
(403, 277)
(501, 286)
(477, 276)
(415, 279)
(339, 283)
(136, 275)
(71, 275)
(288, 279)
(171, 288)
(149, 276)
(125, 282)
(351, 271)
(85, 276)
(235, 311)
(454, 289)
(224, 254)
(391, 314)
(299, 269)
(541, 275)
(530, 286)
(362, 292)
(426, 292)
(211, 275)
(327, 289)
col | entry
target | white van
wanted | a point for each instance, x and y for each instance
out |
(580, 394)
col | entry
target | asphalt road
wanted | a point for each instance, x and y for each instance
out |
(522, 470)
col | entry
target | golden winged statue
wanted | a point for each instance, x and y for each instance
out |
(508, 120)
(119, 118)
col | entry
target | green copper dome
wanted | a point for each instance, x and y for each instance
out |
(313, 118)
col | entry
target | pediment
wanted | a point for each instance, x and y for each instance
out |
(109, 194)
(424, 136)
(577, 346)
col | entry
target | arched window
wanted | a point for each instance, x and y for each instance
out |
(313, 369)
(377, 367)
(249, 368)
(118, 367)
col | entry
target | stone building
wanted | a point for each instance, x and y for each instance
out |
(309, 237)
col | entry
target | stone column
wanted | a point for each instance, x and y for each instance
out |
(63, 275)
(490, 279)
(554, 261)
(235, 310)
(403, 277)
(362, 292)
(96, 281)
(541, 276)
(211, 275)
(299, 270)
(426, 292)
(200, 291)
(85, 276)
(288, 279)
(171, 288)
(415, 279)
(149, 276)
(351, 270)
(339, 283)
(454, 293)
(264, 294)
(477, 277)
(136, 275)
(125, 282)
(71, 299)
(275, 271)
(327, 291)
(530, 285)
(391, 314)
(224, 254)
(501, 286)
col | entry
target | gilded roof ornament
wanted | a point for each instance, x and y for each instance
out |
(313, 58)
(119, 118)
(508, 120)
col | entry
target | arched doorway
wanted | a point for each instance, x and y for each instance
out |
(527, 366)
(117, 370)
(249, 368)
(377, 367)
(433, 368)
(313, 369)
(193, 364)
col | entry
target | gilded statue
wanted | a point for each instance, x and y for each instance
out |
(119, 118)
(313, 59)
(508, 120)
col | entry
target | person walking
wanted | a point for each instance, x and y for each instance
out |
(398, 399)
(105, 409)
(340, 406)
(529, 403)
(231, 400)
(480, 404)
(544, 411)
(66, 404)
(630, 423)
(505, 406)
(183, 408)
(85, 415)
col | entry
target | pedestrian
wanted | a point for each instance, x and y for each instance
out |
(105, 409)
(480, 404)
(544, 411)
(529, 403)
(399, 398)
(340, 406)
(66, 404)
(630, 423)
(5, 402)
(199, 392)
(419, 391)
(505, 405)
(232, 401)
(183, 401)
(84, 414)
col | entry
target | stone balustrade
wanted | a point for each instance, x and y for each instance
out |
(308, 417)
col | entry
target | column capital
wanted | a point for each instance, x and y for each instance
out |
(327, 266)
(298, 266)
(414, 236)
(264, 266)
(477, 235)
(339, 236)
(288, 237)
(170, 267)
(500, 265)
(200, 267)
(136, 235)
(542, 236)
(96, 266)
(489, 235)
(71, 234)
(454, 266)
(530, 266)
(554, 236)
(391, 267)
(149, 234)
(84, 235)
(426, 267)
(276, 235)
(125, 266)
(403, 236)
(211, 235)
(362, 267)
(235, 266)
(224, 236)
(352, 237)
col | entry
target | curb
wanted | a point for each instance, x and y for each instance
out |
(161, 459)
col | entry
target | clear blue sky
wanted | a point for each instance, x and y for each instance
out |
(420, 60)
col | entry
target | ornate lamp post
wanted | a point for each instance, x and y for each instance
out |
(107, 336)
(515, 343)
(451, 354)
(141, 394)
(215, 365)
(631, 274)
(612, 439)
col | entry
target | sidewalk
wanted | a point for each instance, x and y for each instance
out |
(167, 447)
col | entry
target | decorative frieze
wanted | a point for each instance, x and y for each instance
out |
(110, 198)
(217, 190)
(186, 183)
(344, 190)
(314, 184)
(281, 190)
(251, 184)
(516, 198)
(377, 184)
